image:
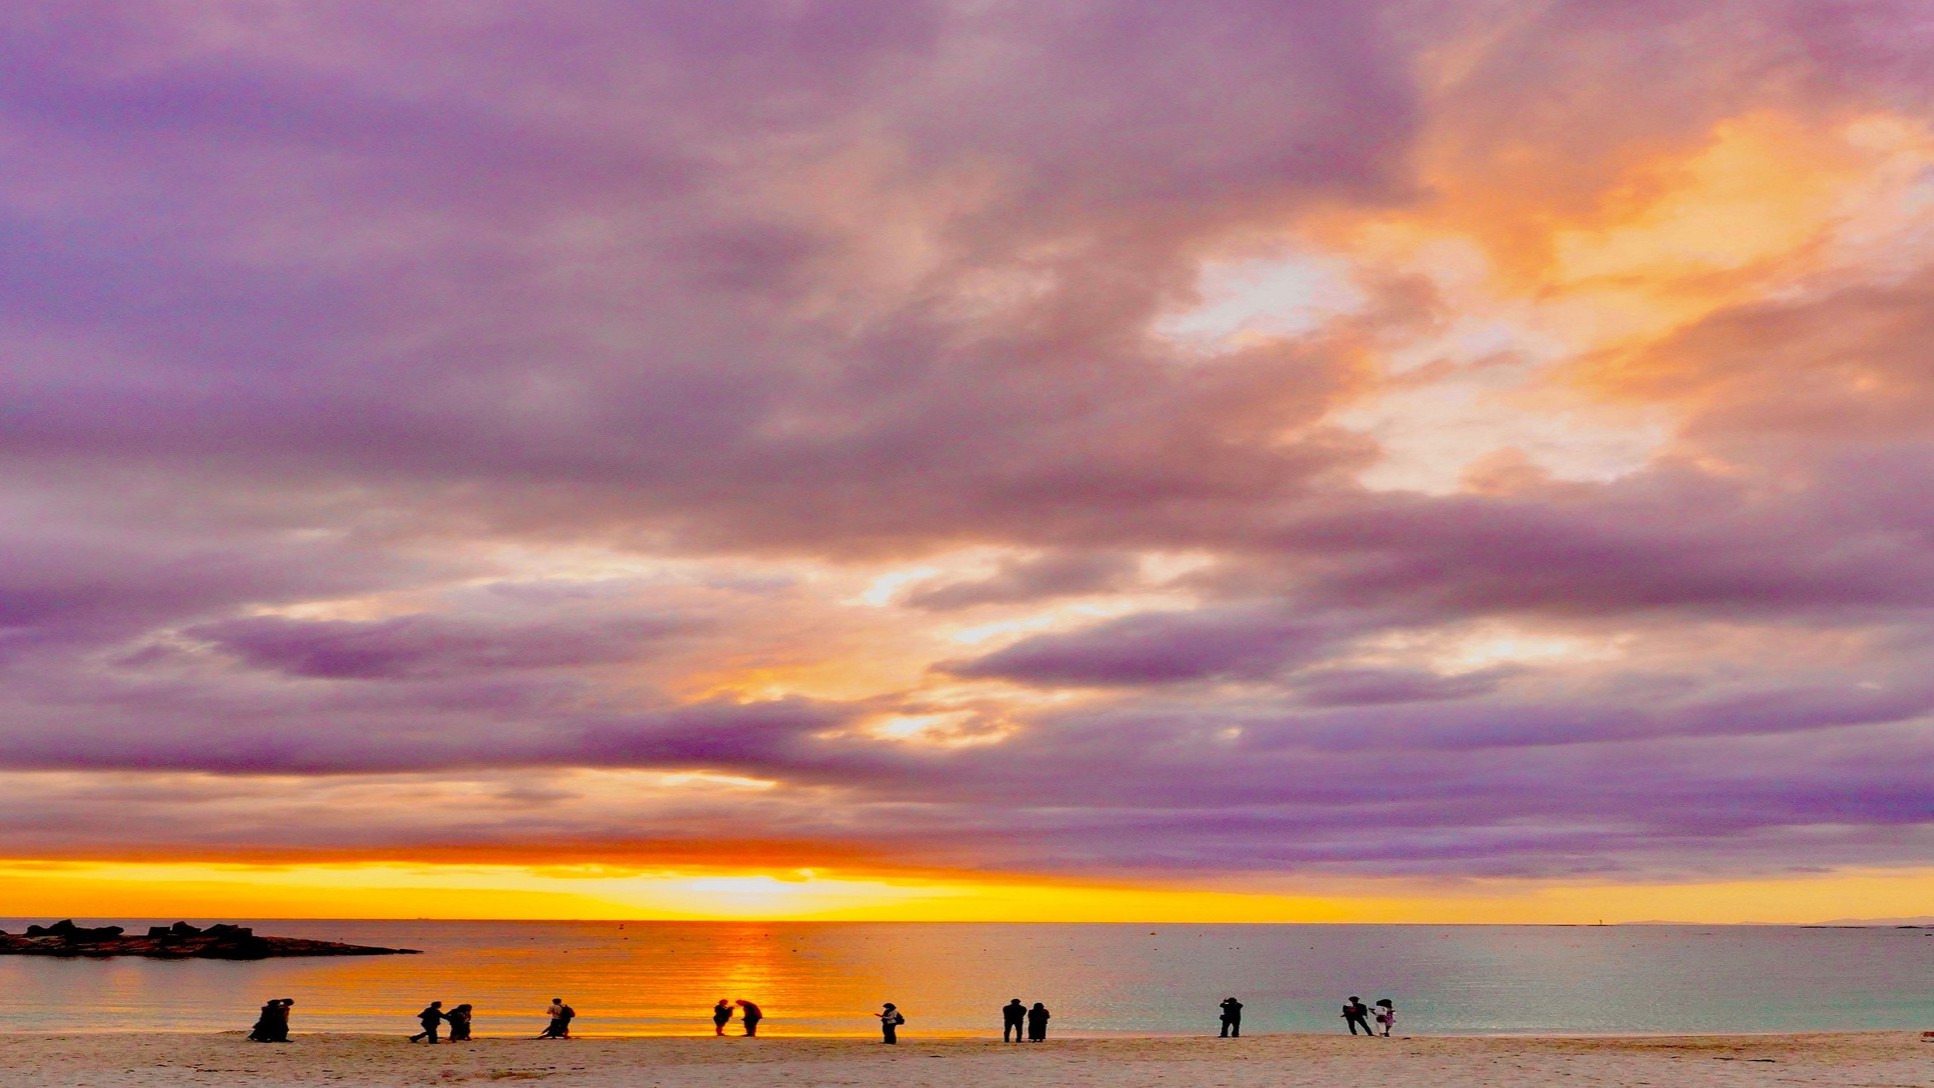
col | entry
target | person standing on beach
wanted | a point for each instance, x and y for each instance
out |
(1357, 1013)
(721, 1016)
(1231, 1018)
(459, 1018)
(1012, 1014)
(1387, 1015)
(431, 1018)
(751, 1014)
(1037, 1023)
(561, 1016)
(890, 1021)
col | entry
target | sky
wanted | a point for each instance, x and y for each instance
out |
(1321, 460)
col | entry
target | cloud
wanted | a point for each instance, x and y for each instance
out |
(424, 646)
(1039, 578)
(1157, 648)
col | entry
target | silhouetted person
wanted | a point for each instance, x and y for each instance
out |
(261, 1032)
(272, 1026)
(751, 1014)
(890, 1021)
(1012, 1014)
(431, 1018)
(1037, 1023)
(1231, 1018)
(561, 1016)
(459, 1018)
(1357, 1014)
(1387, 1015)
(721, 1016)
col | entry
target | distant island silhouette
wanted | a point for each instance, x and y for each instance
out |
(175, 942)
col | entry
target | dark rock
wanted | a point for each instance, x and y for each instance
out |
(179, 941)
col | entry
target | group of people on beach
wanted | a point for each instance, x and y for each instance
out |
(1014, 1015)
(272, 1026)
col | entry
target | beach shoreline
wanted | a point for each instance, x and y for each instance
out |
(220, 1060)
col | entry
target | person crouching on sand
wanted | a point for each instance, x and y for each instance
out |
(721, 1016)
(459, 1018)
(561, 1016)
(890, 1021)
(751, 1014)
(431, 1018)
(1386, 1015)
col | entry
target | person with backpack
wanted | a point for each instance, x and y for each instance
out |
(561, 1016)
(890, 1021)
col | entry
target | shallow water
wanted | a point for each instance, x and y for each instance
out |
(825, 978)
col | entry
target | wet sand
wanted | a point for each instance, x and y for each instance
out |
(1267, 1061)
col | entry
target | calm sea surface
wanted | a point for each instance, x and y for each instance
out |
(661, 978)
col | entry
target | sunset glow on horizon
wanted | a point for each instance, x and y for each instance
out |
(1332, 461)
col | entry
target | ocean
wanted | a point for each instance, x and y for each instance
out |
(661, 978)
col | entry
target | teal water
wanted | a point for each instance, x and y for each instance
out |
(825, 978)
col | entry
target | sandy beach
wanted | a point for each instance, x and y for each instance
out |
(1270, 1061)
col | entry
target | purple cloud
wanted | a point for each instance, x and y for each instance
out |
(1158, 648)
(425, 646)
(1040, 578)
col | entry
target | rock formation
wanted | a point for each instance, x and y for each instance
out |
(178, 941)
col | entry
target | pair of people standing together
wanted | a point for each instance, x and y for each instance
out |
(432, 1018)
(1014, 1014)
(722, 1015)
(1357, 1014)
